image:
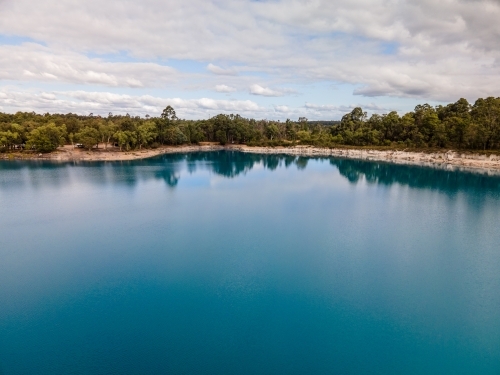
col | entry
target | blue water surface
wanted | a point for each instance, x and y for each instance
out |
(233, 263)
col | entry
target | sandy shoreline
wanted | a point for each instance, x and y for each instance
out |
(448, 160)
(451, 160)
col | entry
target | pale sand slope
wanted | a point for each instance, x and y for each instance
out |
(448, 160)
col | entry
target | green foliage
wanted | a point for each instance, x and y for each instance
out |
(220, 135)
(107, 130)
(272, 131)
(486, 122)
(88, 137)
(457, 125)
(8, 139)
(126, 139)
(174, 136)
(165, 122)
(354, 120)
(46, 138)
(146, 133)
(304, 136)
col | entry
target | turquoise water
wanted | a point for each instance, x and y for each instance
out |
(228, 263)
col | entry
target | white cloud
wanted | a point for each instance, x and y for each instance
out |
(282, 109)
(322, 107)
(265, 91)
(221, 71)
(338, 110)
(434, 50)
(34, 62)
(224, 88)
(84, 102)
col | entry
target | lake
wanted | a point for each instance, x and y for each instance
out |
(234, 263)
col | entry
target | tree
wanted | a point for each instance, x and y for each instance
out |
(410, 134)
(457, 125)
(146, 133)
(46, 138)
(303, 123)
(167, 119)
(290, 131)
(174, 136)
(21, 132)
(354, 120)
(168, 114)
(127, 139)
(486, 119)
(88, 137)
(220, 135)
(457, 129)
(122, 138)
(193, 132)
(304, 136)
(390, 124)
(8, 139)
(107, 131)
(427, 121)
(272, 131)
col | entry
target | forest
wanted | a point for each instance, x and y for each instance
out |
(458, 125)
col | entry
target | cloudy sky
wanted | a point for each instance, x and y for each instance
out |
(263, 59)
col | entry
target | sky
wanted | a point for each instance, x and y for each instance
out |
(262, 59)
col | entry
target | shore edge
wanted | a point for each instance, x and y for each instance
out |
(448, 160)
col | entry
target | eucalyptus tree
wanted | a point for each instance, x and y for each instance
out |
(21, 132)
(146, 133)
(272, 131)
(167, 120)
(8, 139)
(290, 130)
(88, 137)
(107, 130)
(457, 125)
(46, 138)
(174, 136)
(427, 121)
(354, 120)
(126, 139)
(486, 120)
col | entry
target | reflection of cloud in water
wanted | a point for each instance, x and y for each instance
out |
(230, 164)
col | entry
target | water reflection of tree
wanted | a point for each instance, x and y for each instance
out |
(169, 175)
(348, 170)
(271, 162)
(301, 162)
(232, 164)
(289, 160)
(415, 176)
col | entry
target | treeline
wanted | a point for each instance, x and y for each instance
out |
(457, 125)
